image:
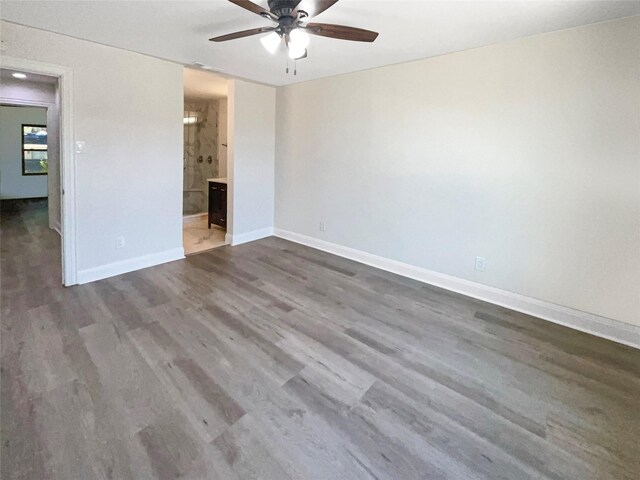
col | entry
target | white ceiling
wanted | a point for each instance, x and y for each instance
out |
(202, 85)
(7, 75)
(409, 30)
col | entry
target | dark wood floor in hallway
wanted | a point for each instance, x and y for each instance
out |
(273, 361)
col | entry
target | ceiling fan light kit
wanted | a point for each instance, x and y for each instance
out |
(296, 52)
(271, 42)
(299, 37)
(291, 17)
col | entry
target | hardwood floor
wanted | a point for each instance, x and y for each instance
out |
(275, 361)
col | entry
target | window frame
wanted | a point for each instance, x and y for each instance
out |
(23, 150)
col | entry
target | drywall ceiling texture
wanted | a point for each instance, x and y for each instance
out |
(12, 183)
(6, 77)
(128, 110)
(526, 153)
(251, 159)
(409, 30)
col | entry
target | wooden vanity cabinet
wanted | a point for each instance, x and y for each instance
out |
(218, 204)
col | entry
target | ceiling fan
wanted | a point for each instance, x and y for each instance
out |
(291, 17)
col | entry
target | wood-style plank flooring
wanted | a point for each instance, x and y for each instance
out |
(273, 361)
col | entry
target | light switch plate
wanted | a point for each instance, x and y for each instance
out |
(80, 146)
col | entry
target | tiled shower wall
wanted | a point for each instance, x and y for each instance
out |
(200, 154)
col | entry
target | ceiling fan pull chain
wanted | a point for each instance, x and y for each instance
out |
(295, 67)
(287, 70)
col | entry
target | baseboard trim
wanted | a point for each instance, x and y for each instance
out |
(238, 239)
(56, 227)
(129, 265)
(604, 327)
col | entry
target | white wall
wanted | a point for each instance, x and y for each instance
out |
(526, 153)
(223, 140)
(12, 183)
(128, 110)
(53, 161)
(251, 153)
(27, 91)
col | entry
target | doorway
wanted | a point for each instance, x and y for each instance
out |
(205, 161)
(30, 146)
(61, 182)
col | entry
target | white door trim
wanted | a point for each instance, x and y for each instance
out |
(23, 103)
(67, 157)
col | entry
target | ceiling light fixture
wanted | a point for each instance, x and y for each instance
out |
(296, 52)
(271, 42)
(297, 43)
(19, 75)
(300, 38)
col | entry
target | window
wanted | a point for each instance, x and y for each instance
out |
(34, 150)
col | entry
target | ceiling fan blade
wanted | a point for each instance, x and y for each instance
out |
(252, 7)
(244, 33)
(341, 32)
(313, 7)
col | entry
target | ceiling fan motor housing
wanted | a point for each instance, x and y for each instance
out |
(282, 8)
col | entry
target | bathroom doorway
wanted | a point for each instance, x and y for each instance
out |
(205, 160)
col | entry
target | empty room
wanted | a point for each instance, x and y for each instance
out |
(320, 240)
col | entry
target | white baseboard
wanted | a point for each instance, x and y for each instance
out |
(240, 238)
(615, 330)
(56, 227)
(129, 265)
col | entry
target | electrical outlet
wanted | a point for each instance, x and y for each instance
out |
(322, 226)
(481, 264)
(120, 242)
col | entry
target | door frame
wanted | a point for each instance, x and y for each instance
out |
(67, 157)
